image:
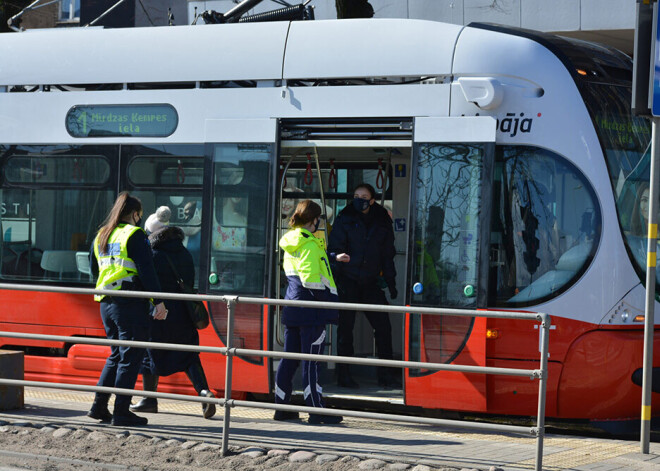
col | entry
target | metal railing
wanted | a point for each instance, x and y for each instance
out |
(540, 374)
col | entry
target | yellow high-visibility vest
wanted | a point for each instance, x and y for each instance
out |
(305, 257)
(115, 266)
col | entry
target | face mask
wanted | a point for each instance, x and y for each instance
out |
(360, 204)
(316, 226)
(138, 223)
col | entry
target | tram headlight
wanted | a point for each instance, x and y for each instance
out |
(625, 315)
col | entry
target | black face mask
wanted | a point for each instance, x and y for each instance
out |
(138, 223)
(316, 226)
(360, 204)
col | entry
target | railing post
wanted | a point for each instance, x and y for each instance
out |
(649, 305)
(544, 332)
(228, 375)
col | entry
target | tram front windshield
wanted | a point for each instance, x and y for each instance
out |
(626, 142)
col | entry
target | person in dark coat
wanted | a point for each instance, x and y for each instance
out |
(167, 242)
(364, 231)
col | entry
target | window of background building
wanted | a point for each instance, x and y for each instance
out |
(69, 10)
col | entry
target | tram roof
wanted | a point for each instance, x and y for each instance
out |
(250, 51)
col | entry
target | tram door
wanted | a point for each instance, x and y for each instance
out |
(448, 258)
(327, 171)
(237, 262)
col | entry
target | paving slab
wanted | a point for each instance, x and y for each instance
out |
(363, 438)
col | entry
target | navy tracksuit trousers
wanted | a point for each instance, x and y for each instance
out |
(301, 339)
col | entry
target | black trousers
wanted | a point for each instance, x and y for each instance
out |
(352, 292)
(123, 321)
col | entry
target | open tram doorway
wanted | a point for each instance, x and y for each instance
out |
(324, 163)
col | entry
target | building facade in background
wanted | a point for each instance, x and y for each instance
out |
(606, 21)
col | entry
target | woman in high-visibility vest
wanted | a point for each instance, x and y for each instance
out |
(121, 258)
(308, 272)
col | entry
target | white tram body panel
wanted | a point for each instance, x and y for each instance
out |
(173, 54)
(561, 123)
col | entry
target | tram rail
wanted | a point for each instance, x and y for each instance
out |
(540, 374)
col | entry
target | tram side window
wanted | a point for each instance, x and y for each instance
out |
(54, 198)
(546, 226)
(239, 225)
(171, 176)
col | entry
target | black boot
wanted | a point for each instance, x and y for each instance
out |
(127, 419)
(285, 415)
(389, 378)
(147, 404)
(122, 416)
(316, 419)
(344, 378)
(99, 410)
(196, 375)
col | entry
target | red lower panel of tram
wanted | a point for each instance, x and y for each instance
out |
(77, 315)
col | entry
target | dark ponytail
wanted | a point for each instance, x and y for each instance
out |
(124, 205)
(305, 212)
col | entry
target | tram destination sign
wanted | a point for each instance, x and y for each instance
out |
(122, 120)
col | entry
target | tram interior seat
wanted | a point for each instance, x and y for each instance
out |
(59, 262)
(82, 264)
(567, 266)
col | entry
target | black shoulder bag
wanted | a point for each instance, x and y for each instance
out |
(195, 309)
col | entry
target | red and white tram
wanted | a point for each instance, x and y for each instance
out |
(512, 167)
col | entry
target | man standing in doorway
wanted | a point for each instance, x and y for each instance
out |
(363, 230)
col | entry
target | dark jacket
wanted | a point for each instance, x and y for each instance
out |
(177, 327)
(369, 240)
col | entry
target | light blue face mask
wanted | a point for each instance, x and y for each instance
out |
(360, 204)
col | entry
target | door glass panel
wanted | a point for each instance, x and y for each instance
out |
(239, 231)
(445, 246)
(445, 235)
(240, 211)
